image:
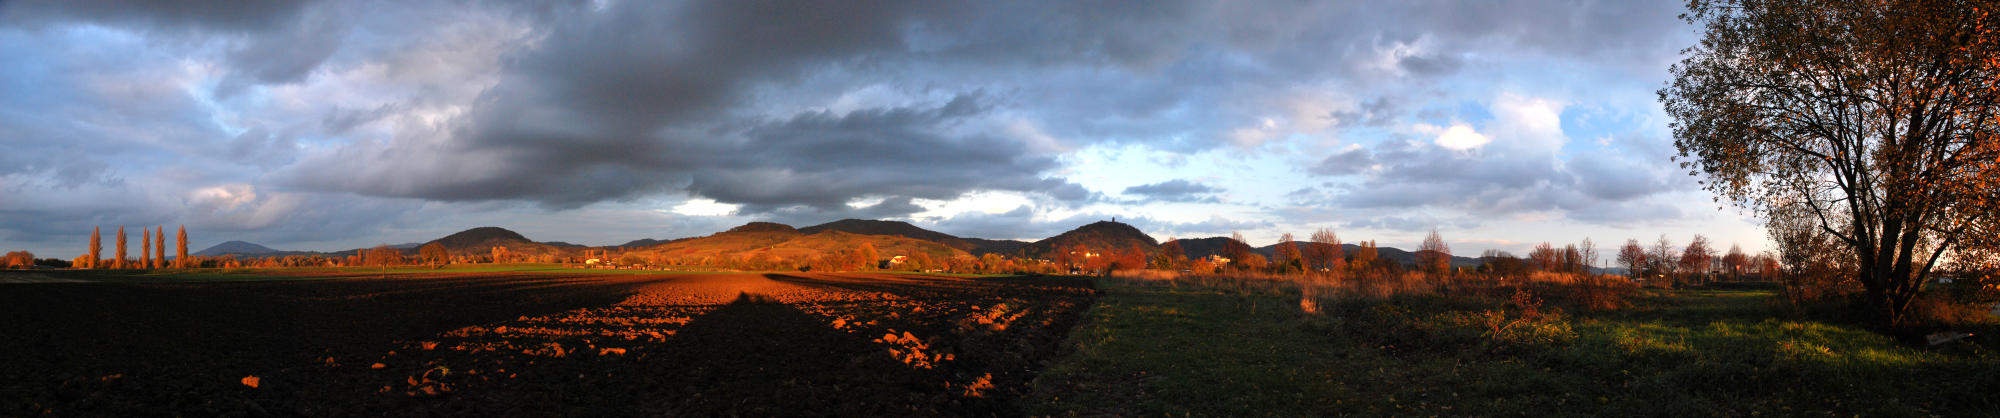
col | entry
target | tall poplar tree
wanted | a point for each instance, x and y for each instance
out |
(145, 247)
(96, 248)
(159, 246)
(181, 248)
(120, 262)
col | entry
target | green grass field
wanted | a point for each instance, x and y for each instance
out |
(1153, 349)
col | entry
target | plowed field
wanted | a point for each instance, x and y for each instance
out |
(498, 344)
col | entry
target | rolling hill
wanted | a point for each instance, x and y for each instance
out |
(481, 240)
(982, 246)
(237, 248)
(975, 246)
(892, 228)
(783, 241)
(1100, 235)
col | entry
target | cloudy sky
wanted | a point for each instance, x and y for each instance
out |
(322, 125)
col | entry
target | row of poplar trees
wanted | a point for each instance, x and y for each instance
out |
(153, 255)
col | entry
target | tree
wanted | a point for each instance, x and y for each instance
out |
(159, 246)
(1434, 255)
(434, 253)
(1501, 264)
(868, 255)
(1364, 258)
(1133, 258)
(1735, 262)
(1570, 259)
(120, 262)
(1814, 265)
(1697, 258)
(1172, 256)
(1286, 256)
(181, 248)
(18, 259)
(1544, 258)
(1325, 251)
(1633, 257)
(96, 249)
(1665, 261)
(1588, 250)
(1880, 119)
(1237, 251)
(145, 248)
(384, 256)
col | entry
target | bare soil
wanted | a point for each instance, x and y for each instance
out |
(489, 344)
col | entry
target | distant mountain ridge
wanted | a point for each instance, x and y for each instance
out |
(1203, 247)
(237, 248)
(893, 228)
(782, 241)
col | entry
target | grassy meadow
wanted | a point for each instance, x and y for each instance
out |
(1230, 348)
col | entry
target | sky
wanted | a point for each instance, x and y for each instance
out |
(331, 125)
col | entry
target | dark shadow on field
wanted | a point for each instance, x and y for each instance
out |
(758, 357)
(183, 349)
(751, 357)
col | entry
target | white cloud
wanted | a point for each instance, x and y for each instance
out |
(704, 207)
(1461, 137)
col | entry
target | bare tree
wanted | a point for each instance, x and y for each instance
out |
(1665, 261)
(1697, 258)
(1434, 255)
(1588, 249)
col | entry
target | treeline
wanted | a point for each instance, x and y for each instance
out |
(863, 257)
(152, 251)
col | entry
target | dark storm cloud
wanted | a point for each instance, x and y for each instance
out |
(168, 15)
(636, 100)
(1177, 190)
(284, 56)
(647, 97)
(756, 103)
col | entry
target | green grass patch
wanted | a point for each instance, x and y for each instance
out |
(1152, 348)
